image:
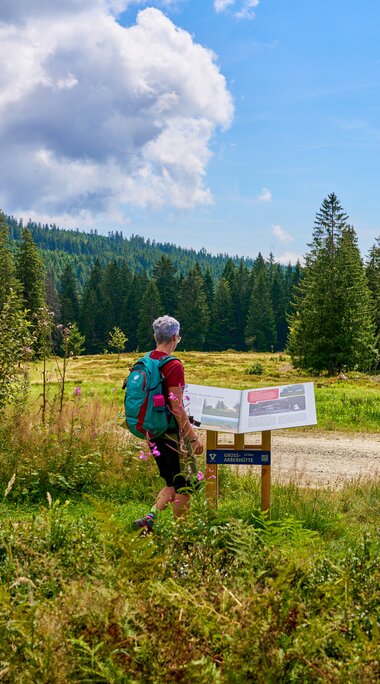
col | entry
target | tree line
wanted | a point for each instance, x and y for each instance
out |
(60, 247)
(326, 314)
(245, 308)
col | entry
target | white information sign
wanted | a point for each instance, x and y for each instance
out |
(254, 410)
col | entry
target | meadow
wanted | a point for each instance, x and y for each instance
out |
(347, 405)
(226, 596)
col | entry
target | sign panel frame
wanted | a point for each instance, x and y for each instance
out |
(238, 457)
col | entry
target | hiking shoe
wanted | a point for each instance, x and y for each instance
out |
(145, 524)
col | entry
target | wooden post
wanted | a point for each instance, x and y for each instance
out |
(212, 471)
(266, 436)
(212, 488)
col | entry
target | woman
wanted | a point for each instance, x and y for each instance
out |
(170, 450)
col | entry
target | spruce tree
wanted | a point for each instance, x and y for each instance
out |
(126, 285)
(193, 312)
(68, 297)
(15, 341)
(132, 308)
(209, 287)
(112, 296)
(373, 277)
(355, 346)
(91, 324)
(8, 279)
(165, 275)
(150, 309)
(229, 275)
(324, 306)
(31, 275)
(260, 331)
(240, 302)
(221, 318)
(279, 305)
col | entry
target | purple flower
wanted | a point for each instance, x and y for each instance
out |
(78, 391)
(200, 475)
(144, 456)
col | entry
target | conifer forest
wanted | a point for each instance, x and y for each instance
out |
(326, 313)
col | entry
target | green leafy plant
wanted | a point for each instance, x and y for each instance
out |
(15, 348)
(256, 369)
(117, 340)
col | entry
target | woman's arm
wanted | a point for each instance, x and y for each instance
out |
(177, 408)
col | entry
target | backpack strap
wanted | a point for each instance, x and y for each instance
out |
(160, 362)
(165, 359)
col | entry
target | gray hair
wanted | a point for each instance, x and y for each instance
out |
(164, 328)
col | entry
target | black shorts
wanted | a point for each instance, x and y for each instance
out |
(170, 462)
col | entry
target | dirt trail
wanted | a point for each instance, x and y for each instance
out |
(324, 460)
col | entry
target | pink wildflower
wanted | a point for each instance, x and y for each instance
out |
(78, 391)
(200, 475)
(144, 456)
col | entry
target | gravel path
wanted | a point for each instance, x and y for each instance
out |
(324, 460)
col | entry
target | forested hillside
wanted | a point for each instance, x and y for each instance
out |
(102, 282)
(110, 284)
(60, 247)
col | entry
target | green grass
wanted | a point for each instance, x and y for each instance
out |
(228, 598)
(350, 405)
(224, 597)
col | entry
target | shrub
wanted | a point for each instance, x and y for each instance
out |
(256, 369)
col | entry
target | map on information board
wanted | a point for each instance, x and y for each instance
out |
(253, 410)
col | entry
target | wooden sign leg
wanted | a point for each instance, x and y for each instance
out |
(266, 473)
(212, 472)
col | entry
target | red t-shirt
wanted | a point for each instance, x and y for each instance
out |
(172, 370)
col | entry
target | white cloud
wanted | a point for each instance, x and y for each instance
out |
(221, 5)
(289, 258)
(264, 196)
(94, 115)
(245, 11)
(281, 234)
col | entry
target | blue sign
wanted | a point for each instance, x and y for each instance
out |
(238, 457)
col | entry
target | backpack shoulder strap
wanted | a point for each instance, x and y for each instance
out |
(165, 359)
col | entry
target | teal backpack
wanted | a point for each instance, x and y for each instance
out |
(146, 412)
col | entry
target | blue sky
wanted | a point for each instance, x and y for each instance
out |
(136, 124)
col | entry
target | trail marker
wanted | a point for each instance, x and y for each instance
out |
(238, 454)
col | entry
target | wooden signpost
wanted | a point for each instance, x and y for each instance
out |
(238, 454)
(220, 410)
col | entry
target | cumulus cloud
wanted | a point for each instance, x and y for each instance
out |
(94, 115)
(241, 10)
(289, 258)
(264, 196)
(281, 234)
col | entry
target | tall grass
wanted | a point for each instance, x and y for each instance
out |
(345, 405)
(222, 597)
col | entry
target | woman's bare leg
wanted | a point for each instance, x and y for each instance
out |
(165, 497)
(181, 505)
